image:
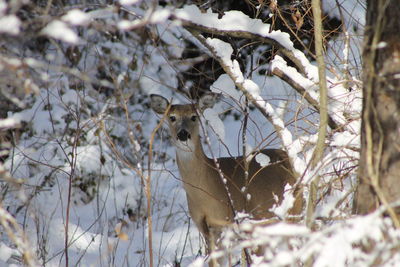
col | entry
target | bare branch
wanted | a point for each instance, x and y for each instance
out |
(323, 99)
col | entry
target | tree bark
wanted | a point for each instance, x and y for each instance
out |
(379, 170)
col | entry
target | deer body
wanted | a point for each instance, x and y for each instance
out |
(212, 202)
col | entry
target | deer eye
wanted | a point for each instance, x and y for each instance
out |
(172, 118)
(193, 118)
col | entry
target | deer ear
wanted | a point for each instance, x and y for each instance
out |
(158, 103)
(206, 101)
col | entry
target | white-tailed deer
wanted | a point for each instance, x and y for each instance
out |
(213, 204)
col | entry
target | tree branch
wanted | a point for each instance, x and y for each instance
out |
(274, 38)
(323, 99)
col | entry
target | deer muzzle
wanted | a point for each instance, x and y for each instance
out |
(183, 135)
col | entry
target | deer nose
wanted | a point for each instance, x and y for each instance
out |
(183, 135)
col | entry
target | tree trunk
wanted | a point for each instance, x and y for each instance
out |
(379, 170)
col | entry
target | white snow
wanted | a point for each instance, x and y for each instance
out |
(159, 16)
(60, 30)
(263, 159)
(381, 45)
(11, 122)
(310, 86)
(151, 17)
(251, 87)
(10, 24)
(199, 262)
(283, 229)
(224, 85)
(354, 11)
(76, 17)
(83, 239)
(222, 49)
(345, 139)
(232, 21)
(282, 210)
(6, 252)
(129, 2)
(215, 122)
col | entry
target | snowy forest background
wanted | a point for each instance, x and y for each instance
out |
(83, 155)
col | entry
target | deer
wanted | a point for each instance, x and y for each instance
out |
(217, 189)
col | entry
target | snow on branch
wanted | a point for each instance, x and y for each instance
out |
(222, 52)
(9, 123)
(303, 78)
(234, 22)
(342, 103)
(237, 24)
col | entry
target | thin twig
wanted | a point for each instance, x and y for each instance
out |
(323, 111)
(74, 155)
(17, 235)
(148, 185)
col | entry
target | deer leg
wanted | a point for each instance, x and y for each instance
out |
(210, 237)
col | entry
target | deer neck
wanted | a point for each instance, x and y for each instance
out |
(192, 161)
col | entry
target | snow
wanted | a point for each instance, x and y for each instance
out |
(251, 87)
(222, 49)
(60, 30)
(346, 52)
(199, 262)
(151, 17)
(76, 17)
(129, 2)
(309, 85)
(215, 122)
(224, 85)
(10, 24)
(381, 45)
(346, 139)
(160, 16)
(232, 21)
(6, 252)
(281, 109)
(81, 239)
(354, 12)
(284, 229)
(310, 69)
(263, 159)
(127, 25)
(11, 122)
(282, 210)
